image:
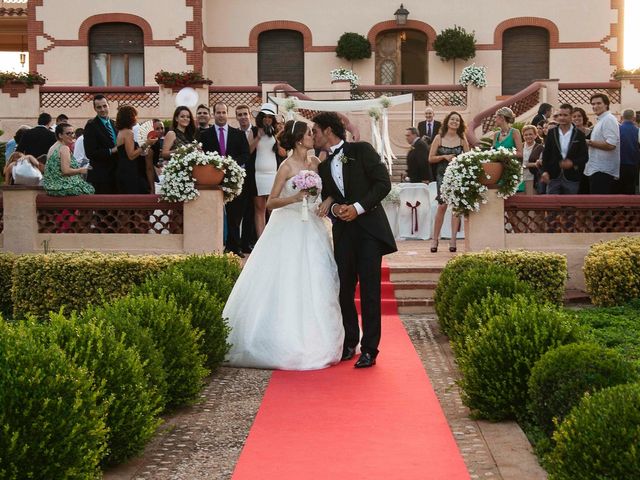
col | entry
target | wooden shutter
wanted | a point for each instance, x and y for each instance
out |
(525, 57)
(116, 38)
(281, 57)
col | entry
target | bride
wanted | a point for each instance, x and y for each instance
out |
(283, 310)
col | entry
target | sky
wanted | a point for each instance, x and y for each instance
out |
(10, 61)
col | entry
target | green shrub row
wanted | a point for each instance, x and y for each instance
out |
(124, 361)
(612, 271)
(545, 273)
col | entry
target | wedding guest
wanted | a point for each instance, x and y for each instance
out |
(39, 139)
(78, 148)
(203, 117)
(581, 120)
(156, 148)
(100, 148)
(266, 163)
(11, 145)
(450, 142)
(428, 129)
(13, 159)
(544, 112)
(62, 175)
(183, 132)
(506, 136)
(564, 156)
(134, 174)
(62, 118)
(248, 236)
(531, 158)
(226, 140)
(603, 166)
(418, 167)
(629, 155)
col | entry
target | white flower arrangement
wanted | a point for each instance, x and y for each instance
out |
(178, 184)
(461, 187)
(345, 74)
(474, 75)
(393, 197)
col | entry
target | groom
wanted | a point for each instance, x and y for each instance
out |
(354, 176)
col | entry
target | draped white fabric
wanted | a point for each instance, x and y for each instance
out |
(342, 105)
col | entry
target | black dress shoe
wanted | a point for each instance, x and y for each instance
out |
(366, 360)
(348, 353)
(235, 252)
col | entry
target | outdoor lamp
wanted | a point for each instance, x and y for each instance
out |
(401, 15)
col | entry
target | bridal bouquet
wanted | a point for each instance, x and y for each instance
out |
(310, 182)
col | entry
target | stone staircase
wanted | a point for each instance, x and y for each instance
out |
(398, 169)
(414, 288)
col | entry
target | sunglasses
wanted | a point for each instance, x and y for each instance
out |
(70, 134)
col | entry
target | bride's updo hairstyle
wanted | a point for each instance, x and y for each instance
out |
(293, 132)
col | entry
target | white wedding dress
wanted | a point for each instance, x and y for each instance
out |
(283, 311)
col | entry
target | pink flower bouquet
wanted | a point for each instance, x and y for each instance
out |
(309, 181)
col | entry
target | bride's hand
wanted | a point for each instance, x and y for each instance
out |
(323, 208)
(299, 196)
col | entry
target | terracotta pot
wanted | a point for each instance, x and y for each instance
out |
(207, 175)
(492, 173)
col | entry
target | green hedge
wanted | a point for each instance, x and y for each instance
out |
(612, 271)
(545, 273)
(48, 282)
(498, 359)
(563, 375)
(205, 308)
(6, 267)
(600, 438)
(51, 423)
(132, 407)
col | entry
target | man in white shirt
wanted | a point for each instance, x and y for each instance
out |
(603, 166)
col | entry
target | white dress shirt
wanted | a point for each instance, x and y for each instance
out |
(606, 161)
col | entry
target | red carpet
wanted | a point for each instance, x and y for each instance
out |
(384, 422)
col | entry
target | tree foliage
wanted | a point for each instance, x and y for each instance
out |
(353, 46)
(454, 43)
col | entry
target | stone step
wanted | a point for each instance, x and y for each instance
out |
(415, 274)
(415, 289)
(415, 306)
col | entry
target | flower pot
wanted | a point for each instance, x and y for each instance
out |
(207, 175)
(492, 173)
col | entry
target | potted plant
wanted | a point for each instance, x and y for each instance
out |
(353, 46)
(179, 80)
(189, 167)
(14, 83)
(469, 176)
(454, 43)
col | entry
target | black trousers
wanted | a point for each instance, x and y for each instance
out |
(626, 184)
(235, 212)
(359, 257)
(600, 183)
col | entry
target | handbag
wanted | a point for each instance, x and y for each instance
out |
(24, 173)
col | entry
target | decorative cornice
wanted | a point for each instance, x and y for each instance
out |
(13, 12)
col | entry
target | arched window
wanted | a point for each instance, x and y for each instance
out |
(116, 55)
(525, 57)
(281, 57)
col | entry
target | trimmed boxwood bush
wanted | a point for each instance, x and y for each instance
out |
(497, 362)
(600, 437)
(205, 308)
(563, 375)
(477, 283)
(132, 407)
(612, 271)
(129, 329)
(173, 336)
(51, 424)
(545, 273)
(44, 283)
(6, 267)
(218, 272)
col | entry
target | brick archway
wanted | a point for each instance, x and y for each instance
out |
(85, 27)
(391, 25)
(280, 25)
(552, 28)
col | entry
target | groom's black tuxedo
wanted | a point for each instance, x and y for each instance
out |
(360, 244)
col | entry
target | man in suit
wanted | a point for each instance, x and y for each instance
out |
(38, 140)
(429, 128)
(564, 155)
(100, 148)
(357, 180)
(418, 168)
(228, 141)
(249, 237)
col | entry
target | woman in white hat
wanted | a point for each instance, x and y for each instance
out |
(266, 147)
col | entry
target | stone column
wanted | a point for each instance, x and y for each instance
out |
(20, 217)
(203, 222)
(485, 229)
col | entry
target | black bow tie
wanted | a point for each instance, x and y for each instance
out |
(335, 152)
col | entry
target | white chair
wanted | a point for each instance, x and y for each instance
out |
(391, 209)
(414, 213)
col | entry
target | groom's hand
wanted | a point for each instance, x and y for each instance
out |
(347, 213)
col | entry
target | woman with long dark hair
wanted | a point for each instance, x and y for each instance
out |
(183, 131)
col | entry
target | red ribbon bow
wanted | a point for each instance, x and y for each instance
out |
(414, 216)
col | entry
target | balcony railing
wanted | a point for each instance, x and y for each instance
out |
(76, 97)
